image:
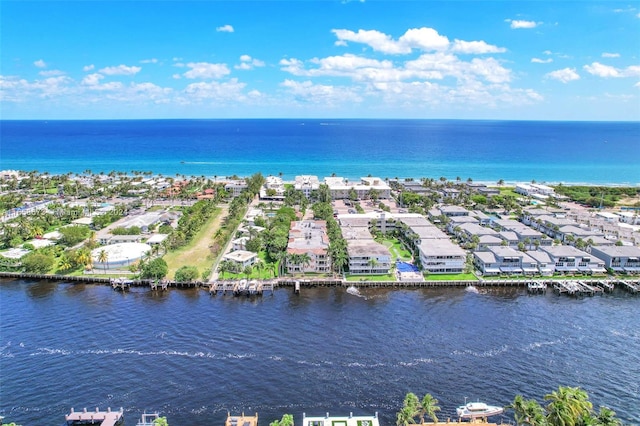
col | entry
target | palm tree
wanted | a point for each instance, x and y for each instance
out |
(409, 410)
(607, 417)
(567, 406)
(304, 260)
(373, 262)
(429, 406)
(103, 257)
(527, 412)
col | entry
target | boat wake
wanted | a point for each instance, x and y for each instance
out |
(354, 291)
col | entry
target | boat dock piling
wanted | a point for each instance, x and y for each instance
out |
(629, 286)
(242, 287)
(106, 418)
(159, 285)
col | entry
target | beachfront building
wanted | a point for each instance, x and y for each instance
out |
(241, 258)
(568, 259)
(307, 184)
(441, 256)
(535, 190)
(504, 260)
(341, 189)
(308, 237)
(273, 188)
(235, 187)
(622, 259)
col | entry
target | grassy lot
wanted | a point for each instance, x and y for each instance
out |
(197, 252)
(451, 277)
(509, 190)
(396, 249)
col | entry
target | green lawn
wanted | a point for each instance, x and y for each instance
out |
(451, 277)
(375, 278)
(396, 249)
(197, 252)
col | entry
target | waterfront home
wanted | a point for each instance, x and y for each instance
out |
(504, 260)
(308, 237)
(441, 256)
(241, 258)
(273, 188)
(623, 259)
(568, 259)
(235, 187)
(546, 266)
(366, 256)
(306, 184)
(530, 190)
(349, 420)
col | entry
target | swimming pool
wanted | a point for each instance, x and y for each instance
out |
(406, 267)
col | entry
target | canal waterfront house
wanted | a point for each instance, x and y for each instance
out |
(621, 259)
(570, 260)
(309, 237)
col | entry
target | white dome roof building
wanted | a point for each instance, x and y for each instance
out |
(120, 255)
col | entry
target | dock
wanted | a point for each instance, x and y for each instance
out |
(243, 287)
(159, 285)
(97, 417)
(631, 287)
(148, 419)
(241, 420)
(121, 283)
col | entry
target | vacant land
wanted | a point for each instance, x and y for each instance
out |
(197, 252)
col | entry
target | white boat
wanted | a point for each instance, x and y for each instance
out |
(478, 410)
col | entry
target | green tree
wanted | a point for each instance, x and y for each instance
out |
(410, 409)
(156, 269)
(37, 263)
(429, 406)
(287, 420)
(162, 421)
(186, 274)
(103, 257)
(72, 235)
(567, 406)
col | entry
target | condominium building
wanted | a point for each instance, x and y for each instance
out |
(309, 237)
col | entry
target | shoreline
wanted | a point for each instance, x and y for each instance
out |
(287, 179)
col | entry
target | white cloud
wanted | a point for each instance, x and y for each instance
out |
(247, 63)
(121, 70)
(51, 73)
(475, 47)
(610, 55)
(375, 39)
(541, 61)
(221, 91)
(564, 75)
(601, 70)
(149, 61)
(206, 70)
(308, 92)
(518, 24)
(547, 52)
(92, 79)
(40, 63)
(225, 29)
(87, 68)
(426, 39)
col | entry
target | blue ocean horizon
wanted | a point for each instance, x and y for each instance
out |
(485, 151)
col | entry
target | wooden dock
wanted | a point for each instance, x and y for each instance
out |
(631, 287)
(159, 285)
(241, 420)
(243, 287)
(103, 418)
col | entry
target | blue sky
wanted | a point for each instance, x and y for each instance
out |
(531, 60)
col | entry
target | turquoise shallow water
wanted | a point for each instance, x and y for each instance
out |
(192, 356)
(588, 152)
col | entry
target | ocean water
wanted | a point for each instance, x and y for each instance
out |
(193, 356)
(573, 152)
